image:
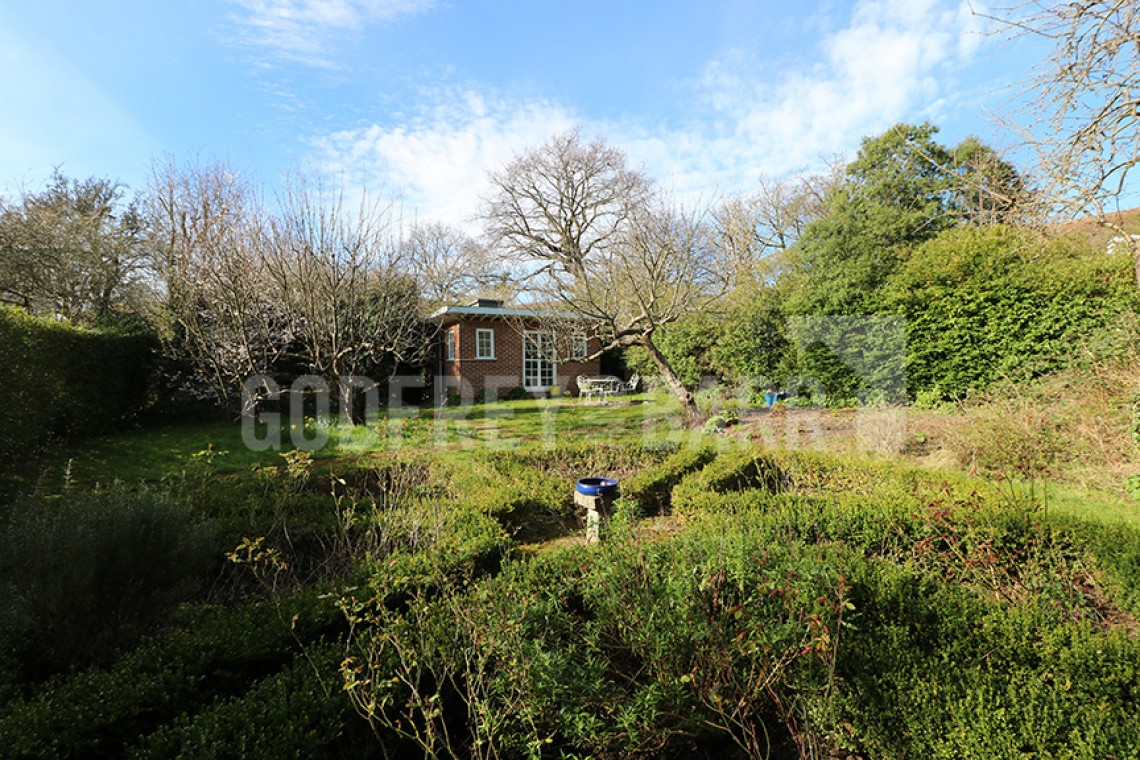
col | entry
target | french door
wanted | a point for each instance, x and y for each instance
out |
(539, 370)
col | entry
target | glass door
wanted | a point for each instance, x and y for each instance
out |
(539, 369)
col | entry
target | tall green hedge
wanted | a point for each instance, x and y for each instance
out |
(985, 303)
(58, 381)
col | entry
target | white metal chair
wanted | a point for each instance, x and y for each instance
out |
(631, 386)
(586, 389)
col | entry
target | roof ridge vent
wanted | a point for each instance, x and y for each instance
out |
(488, 303)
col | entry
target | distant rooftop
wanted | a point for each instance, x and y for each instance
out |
(492, 307)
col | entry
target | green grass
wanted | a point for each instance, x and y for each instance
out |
(523, 424)
(153, 453)
(1093, 506)
(1067, 499)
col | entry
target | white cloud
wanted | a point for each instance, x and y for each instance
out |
(889, 63)
(438, 163)
(304, 30)
(893, 61)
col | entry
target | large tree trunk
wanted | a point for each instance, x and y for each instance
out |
(676, 387)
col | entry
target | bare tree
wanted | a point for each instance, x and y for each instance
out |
(451, 266)
(216, 309)
(754, 229)
(314, 287)
(1083, 115)
(613, 260)
(336, 275)
(75, 250)
(565, 202)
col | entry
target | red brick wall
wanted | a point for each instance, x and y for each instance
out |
(469, 375)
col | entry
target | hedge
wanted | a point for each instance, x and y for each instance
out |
(652, 488)
(58, 381)
(98, 713)
(301, 712)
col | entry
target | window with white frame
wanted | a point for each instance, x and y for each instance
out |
(450, 340)
(579, 347)
(484, 344)
(539, 369)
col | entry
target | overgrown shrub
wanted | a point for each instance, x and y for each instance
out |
(85, 574)
(1009, 437)
(518, 486)
(652, 488)
(57, 381)
(99, 712)
(932, 671)
(734, 470)
(983, 303)
(632, 651)
(300, 712)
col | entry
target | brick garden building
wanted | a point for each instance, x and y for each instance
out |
(486, 347)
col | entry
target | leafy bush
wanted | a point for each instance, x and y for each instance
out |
(58, 381)
(685, 344)
(84, 575)
(500, 484)
(517, 486)
(1132, 486)
(731, 471)
(982, 303)
(96, 713)
(1116, 549)
(749, 342)
(652, 488)
(631, 651)
(935, 672)
(300, 712)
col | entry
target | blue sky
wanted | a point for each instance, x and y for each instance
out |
(418, 99)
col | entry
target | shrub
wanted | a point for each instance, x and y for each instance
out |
(838, 604)
(517, 486)
(85, 574)
(731, 471)
(685, 343)
(501, 485)
(58, 381)
(982, 303)
(300, 712)
(935, 672)
(652, 488)
(1132, 486)
(628, 651)
(96, 713)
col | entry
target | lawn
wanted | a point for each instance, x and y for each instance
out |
(150, 454)
(153, 453)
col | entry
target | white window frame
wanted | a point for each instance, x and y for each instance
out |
(449, 340)
(540, 370)
(479, 333)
